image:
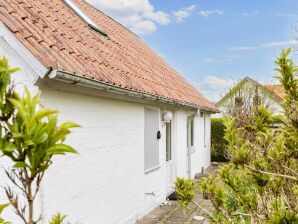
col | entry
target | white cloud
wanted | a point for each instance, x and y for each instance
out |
(220, 60)
(281, 43)
(209, 60)
(267, 45)
(214, 87)
(143, 27)
(243, 48)
(249, 13)
(207, 13)
(137, 15)
(183, 13)
(159, 17)
(288, 14)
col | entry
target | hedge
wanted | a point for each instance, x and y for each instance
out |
(218, 143)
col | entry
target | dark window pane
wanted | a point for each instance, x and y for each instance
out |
(168, 142)
(191, 132)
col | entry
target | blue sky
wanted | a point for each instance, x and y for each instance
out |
(212, 42)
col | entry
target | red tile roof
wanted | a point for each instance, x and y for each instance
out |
(278, 90)
(61, 40)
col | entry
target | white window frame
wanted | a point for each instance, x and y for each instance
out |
(169, 126)
(191, 132)
(205, 130)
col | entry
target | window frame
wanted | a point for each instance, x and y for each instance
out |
(191, 132)
(169, 152)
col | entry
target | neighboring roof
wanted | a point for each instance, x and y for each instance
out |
(278, 90)
(61, 40)
(275, 91)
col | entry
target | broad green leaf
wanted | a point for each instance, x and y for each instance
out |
(69, 125)
(61, 149)
(20, 108)
(20, 165)
(42, 138)
(2, 207)
(17, 135)
(44, 113)
(28, 142)
(9, 147)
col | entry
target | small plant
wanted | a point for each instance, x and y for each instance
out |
(185, 189)
(57, 219)
(29, 137)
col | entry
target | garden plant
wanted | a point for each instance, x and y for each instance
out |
(260, 183)
(29, 138)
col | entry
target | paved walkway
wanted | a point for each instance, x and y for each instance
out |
(172, 213)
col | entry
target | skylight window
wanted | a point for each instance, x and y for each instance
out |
(84, 17)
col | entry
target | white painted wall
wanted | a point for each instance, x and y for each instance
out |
(105, 183)
(200, 154)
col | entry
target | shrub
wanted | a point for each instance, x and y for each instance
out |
(29, 137)
(218, 143)
(260, 184)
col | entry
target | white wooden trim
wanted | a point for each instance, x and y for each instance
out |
(19, 50)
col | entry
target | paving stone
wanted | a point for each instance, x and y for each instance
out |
(174, 214)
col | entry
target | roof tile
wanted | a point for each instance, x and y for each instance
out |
(61, 40)
(278, 90)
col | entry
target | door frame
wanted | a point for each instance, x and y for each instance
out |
(190, 147)
(171, 165)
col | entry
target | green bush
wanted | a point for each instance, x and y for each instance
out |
(260, 184)
(218, 143)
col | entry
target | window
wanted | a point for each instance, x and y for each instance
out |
(190, 131)
(168, 141)
(84, 17)
(238, 101)
(151, 145)
(257, 101)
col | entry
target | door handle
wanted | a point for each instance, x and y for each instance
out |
(158, 135)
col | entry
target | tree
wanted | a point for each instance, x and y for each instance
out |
(260, 184)
(29, 137)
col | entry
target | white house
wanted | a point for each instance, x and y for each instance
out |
(143, 124)
(246, 92)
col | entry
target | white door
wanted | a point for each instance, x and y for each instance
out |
(170, 162)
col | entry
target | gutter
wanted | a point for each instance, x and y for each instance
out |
(74, 79)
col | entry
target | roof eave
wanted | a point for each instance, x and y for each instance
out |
(83, 81)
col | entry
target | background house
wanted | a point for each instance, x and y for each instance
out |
(142, 123)
(247, 92)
